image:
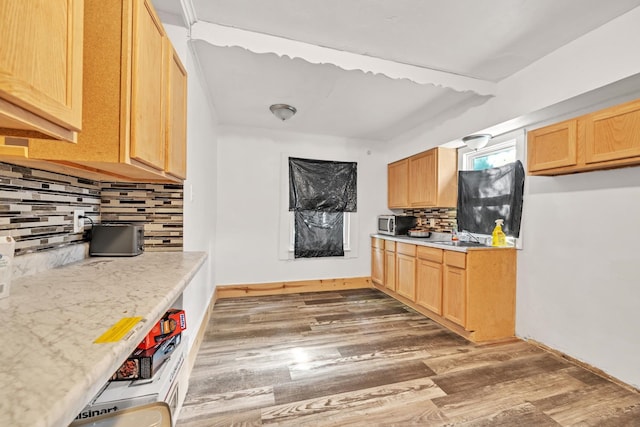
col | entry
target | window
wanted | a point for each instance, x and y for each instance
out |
(491, 156)
(346, 231)
(286, 229)
(320, 193)
(502, 149)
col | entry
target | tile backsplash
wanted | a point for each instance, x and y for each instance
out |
(36, 208)
(158, 206)
(444, 219)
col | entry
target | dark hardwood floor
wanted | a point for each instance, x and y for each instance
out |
(360, 358)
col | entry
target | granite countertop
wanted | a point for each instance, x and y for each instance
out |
(438, 241)
(51, 366)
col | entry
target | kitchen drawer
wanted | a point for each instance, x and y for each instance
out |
(430, 254)
(455, 259)
(377, 243)
(406, 249)
(389, 246)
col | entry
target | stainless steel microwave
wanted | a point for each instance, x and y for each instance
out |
(395, 225)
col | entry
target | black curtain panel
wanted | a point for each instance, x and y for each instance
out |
(490, 194)
(322, 185)
(319, 193)
(318, 234)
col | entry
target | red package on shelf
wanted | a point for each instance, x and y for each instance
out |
(143, 364)
(171, 324)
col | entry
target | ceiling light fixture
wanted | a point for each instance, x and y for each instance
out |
(475, 142)
(283, 111)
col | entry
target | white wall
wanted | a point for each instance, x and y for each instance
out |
(578, 289)
(578, 285)
(250, 191)
(199, 188)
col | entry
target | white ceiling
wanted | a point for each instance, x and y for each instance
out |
(372, 69)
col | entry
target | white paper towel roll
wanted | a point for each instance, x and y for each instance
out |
(7, 248)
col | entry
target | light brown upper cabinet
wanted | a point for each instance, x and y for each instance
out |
(148, 86)
(553, 146)
(176, 120)
(398, 184)
(427, 179)
(134, 93)
(41, 68)
(613, 134)
(605, 139)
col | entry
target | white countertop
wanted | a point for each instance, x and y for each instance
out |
(437, 243)
(51, 366)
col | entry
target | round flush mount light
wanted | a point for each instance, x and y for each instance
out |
(477, 141)
(283, 111)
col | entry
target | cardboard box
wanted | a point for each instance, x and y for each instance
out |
(118, 395)
(172, 323)
(143, 364)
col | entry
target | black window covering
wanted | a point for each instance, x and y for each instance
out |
(490, 194)
(320, 192)
(321, 185)
(318, 234)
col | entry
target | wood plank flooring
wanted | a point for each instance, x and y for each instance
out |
(361, 358)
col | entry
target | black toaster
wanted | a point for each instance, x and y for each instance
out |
(116, 240)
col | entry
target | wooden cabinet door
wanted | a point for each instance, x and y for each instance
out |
(390, 270)
(429, 285)
(176, 131)
(148, 87)
(406, 276)
(377, 265)
(454, 301)
(613, 133)
(454, 287)
(41, 67)
(553, 146)
(398, 184)
(423, 179)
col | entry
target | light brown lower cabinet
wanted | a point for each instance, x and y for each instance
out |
(377, 261)
(455, 288)
(471, 293)
(429, 278)
(406, 270)
(390, 265)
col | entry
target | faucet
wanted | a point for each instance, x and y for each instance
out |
(471, 236)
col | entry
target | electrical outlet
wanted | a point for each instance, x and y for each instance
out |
(78, 223)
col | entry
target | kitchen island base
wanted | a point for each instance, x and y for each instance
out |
(470, 290)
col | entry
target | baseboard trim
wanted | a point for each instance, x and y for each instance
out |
(293, 287)
(195, 348)
(582, 364)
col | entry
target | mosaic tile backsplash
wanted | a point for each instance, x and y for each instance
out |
(158, 206)
(444, 219)
(36, 208)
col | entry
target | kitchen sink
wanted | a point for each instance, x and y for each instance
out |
(463, 244)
